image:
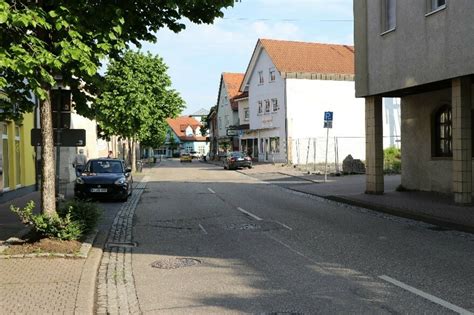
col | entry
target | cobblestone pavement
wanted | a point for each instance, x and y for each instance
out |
(45, 286)
(115, 285)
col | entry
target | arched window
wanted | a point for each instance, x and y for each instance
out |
(443, 142)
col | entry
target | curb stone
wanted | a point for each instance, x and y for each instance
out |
(115, 284)
(83, 251)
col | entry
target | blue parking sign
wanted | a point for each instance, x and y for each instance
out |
(328, 116)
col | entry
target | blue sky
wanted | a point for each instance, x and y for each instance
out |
(198, 55)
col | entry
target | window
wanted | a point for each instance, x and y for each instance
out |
(260, 107)
(267, 106)
(246, 114)
(220, 122)
(225, 100)
(435, 5)
(275, 145)
(260, 77)
(275, 104)
(4, 165)
(272, 74)
(443, 132)
(389, 16)
(17, 157)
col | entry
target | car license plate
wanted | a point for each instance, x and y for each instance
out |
(99, 190)
(240, 159)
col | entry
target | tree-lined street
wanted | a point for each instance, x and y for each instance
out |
(263, 249)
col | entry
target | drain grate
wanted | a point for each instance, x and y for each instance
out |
(122, 245)
(438, 228)
(175, 263)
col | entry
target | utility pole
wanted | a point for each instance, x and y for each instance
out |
(328, 117)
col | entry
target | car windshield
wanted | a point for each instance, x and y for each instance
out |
(237, 155)
(105, 166)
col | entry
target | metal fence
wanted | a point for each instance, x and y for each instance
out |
(309, 154)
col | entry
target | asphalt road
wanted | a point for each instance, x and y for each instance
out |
(256, 247)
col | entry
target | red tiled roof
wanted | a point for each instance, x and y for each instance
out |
(232, 83)
(290, 56)
(179, 125)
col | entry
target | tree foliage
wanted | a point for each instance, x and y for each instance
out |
(137, 98)
(42, 41)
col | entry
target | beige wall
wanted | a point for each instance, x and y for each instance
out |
(422, 49)
(421, 171)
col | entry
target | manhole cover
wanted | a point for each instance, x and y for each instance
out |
(175, 263)
(244, 226)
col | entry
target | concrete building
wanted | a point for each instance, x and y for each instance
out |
(420, 51)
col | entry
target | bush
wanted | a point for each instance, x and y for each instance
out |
(392, 160)
(74, 219)
(86, 213)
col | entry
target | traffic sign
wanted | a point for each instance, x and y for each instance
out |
(328, 116)
(67, 137)
(61, 106)
(232, 132)
(328, 124)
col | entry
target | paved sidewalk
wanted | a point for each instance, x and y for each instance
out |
(429, 207)
(51, 285)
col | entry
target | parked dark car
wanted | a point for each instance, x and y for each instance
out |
(104, 179)
(234, 160)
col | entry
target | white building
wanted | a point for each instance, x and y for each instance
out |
(227, 111)
(290, 85)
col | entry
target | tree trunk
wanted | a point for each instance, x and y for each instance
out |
(134, 155)
(48, 178)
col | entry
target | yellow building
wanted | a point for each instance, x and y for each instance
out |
(17, 156)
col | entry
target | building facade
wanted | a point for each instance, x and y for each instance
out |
(184, 135)
(420, 51)
(17, 158)
(227, 112)
(290, 86)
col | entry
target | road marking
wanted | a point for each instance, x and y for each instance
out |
(249, 214)
(427, 296)
(291, 249)
(203, 229)
(284, 225)
(212, 191)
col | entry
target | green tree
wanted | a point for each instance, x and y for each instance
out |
(137, 98)
(204, 126)
(44, 41)
(172, 144)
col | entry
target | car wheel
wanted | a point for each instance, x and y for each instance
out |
(225, 167)
(250, 166)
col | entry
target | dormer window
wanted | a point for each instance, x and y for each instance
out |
(189, 131)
